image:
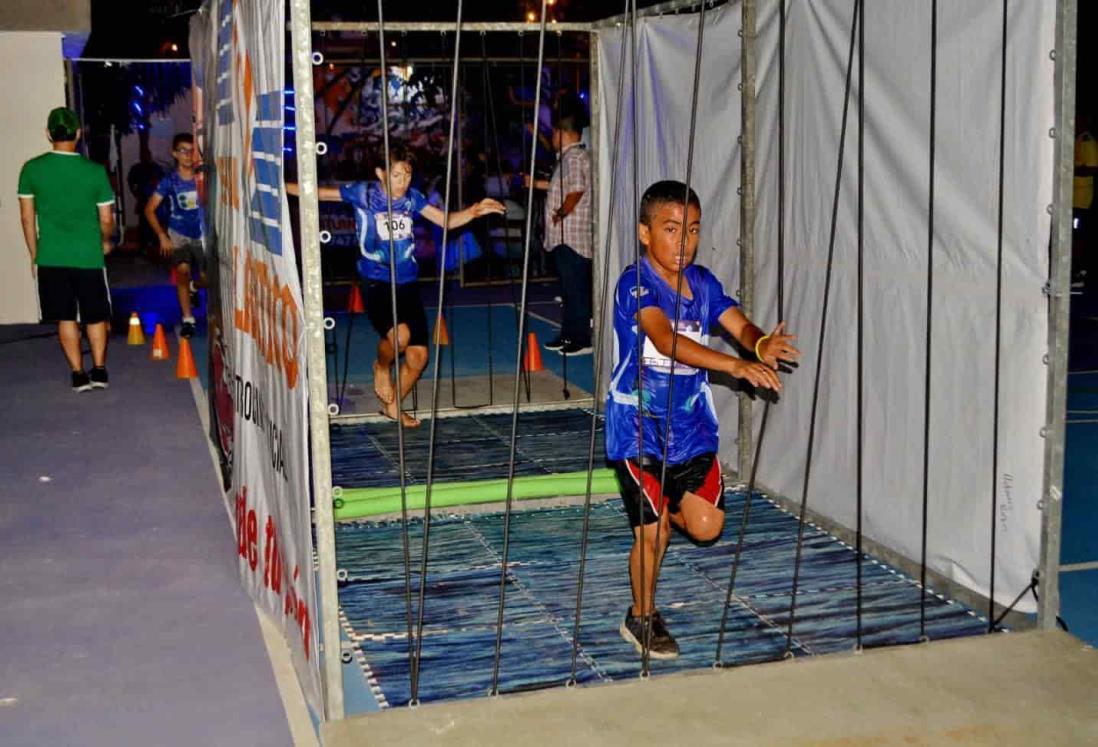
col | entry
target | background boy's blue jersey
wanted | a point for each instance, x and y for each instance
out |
(693, 418)
(186, 217)
(372, 224)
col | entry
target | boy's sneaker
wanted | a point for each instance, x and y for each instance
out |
(98, 377)
(576, 348)
(661, 644)
(555, 344)
(80, 381)
(186, 329)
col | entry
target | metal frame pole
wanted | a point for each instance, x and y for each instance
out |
(311, 287)
(747, 209)
(1059, 315)
(595, 102)
(472, 27)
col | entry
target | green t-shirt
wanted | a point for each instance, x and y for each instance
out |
(67, 190)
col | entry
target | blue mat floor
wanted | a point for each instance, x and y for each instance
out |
(463, 583)
(473, 447)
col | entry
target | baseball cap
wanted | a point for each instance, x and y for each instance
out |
(63, 123)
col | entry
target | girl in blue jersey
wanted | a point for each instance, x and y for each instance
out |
(693, 493)
(378, 230)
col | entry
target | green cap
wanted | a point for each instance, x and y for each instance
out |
(63, 123)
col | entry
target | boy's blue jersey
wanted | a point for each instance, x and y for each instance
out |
(185, 218)
(372, 225)
(693, 418)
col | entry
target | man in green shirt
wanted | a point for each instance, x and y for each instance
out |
(67, 208)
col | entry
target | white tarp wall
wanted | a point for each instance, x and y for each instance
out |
(896, 211)
(238, 51)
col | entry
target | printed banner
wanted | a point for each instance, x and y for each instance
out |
(258, 386)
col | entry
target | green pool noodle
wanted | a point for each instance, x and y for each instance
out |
(363, 502)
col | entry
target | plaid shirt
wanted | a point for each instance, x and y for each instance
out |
(572, 174)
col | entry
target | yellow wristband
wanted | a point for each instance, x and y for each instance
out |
(760, 342)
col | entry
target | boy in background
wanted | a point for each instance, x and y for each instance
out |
(184, 238)
(407, 335)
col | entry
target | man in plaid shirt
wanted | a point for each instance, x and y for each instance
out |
(568, 234)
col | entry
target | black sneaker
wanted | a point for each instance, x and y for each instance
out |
(99, 378)
(80, 381)
(186, 329)
(661, 644)
(576, 348)
(555, 344)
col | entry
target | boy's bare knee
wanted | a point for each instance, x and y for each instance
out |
(183, 271)
(416, 357)
(704, 521)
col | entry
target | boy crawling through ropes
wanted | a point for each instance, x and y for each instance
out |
(693, 492)
(407, 334)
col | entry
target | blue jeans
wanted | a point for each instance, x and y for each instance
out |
(575, 292)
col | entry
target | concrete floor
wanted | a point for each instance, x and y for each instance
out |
(1010, 689)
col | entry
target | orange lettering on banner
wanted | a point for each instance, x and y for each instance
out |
(269, 315)
(226, 173)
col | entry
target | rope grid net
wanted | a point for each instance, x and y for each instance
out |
(415, 613)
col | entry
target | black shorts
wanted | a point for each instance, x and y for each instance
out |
(188, 251)
(379, 309)
(700, 475)
(73, 294)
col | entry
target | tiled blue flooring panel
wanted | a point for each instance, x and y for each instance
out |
(463, 594)
(473, 447)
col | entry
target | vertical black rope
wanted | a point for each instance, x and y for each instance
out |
(421, 602)
(678, 307)
(745, 519)
(518, 370)
(519, 322)
(781, 159)
(396, 348)
(823, 333)
(491, 136)
(998, 326)
(599, 351)
(861, 327)
(560, 183)
(929, 313)
(639, 347)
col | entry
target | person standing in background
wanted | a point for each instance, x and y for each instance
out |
(66, 206)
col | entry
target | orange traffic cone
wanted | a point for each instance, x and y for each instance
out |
(532, 359)
(185, 368)
(160, 345)
(354, 303)
(442, 335)
(136, 335)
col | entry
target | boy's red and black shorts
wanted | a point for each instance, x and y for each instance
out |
(640, 485)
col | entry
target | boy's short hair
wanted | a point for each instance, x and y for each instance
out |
(180, 138)
(398, 153)
(663, 192)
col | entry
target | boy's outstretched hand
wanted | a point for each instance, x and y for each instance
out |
(757, 374)
(777, 347)
(487, 206)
